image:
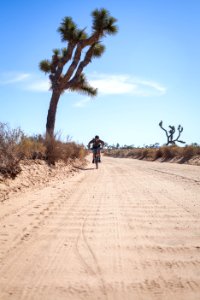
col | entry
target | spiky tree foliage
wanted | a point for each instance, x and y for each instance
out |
(66, 66)
(170, 134)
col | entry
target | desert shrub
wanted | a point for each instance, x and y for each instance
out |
(15, 146)
(57, 150)
(144, 153)
(165, 153)
(9, 155)
(168, 152)
(195, 148)
(133, 153)
(152, 154)
(32, 147)
(127, 153)
(157, 154)
(186, 153)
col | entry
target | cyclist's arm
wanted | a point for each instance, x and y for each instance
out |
(90, 143)
(102, 143)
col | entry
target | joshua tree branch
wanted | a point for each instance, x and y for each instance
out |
(81, 66)
(180, 130)
(160, 124)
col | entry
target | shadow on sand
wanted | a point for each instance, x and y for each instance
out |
(84, 169)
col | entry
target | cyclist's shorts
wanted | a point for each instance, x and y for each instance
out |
(96, 150)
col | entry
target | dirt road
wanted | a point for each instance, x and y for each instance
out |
(130, 230)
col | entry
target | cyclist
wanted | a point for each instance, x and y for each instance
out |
(96, 146)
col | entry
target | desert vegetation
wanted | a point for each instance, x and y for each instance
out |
(189, 153)
(168, 152)
(15, 147)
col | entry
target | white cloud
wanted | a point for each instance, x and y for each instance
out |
(13, 77)
(82, 103)
(38, 86)
(107, 84)
(25, 81)
(125, 84)
(112, 84)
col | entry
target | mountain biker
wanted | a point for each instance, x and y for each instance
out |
(96, 146)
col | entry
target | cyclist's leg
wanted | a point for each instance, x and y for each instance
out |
(94, 150)
(99, 155)
(93, 154)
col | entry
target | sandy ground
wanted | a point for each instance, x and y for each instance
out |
(35, 174)
(129, 230)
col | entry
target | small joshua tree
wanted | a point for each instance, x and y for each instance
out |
(170, 134)
(65, 68)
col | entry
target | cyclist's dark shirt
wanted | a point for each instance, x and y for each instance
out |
(96, 143)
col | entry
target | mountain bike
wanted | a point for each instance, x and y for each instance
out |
(96, 155)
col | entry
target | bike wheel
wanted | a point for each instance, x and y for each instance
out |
(97, 162)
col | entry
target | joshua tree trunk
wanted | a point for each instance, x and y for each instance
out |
(51, 117)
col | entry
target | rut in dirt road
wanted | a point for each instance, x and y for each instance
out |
(129, 230)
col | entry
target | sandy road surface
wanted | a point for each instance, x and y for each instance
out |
(130, 230)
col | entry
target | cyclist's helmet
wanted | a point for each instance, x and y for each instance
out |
(96, 137)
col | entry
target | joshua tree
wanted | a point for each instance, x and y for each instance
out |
(170, 134)
(80, 51)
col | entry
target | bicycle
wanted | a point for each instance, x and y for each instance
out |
(96, 156)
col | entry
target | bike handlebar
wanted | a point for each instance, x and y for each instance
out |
(91, 148)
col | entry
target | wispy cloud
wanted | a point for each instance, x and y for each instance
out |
(107, 84)
(125, 84)
(82, 102)
(38, 86)
(25, 81)
(13, 77)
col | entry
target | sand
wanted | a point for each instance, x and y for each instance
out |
(129, 230)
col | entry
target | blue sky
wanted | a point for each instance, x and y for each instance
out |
(149, 72)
